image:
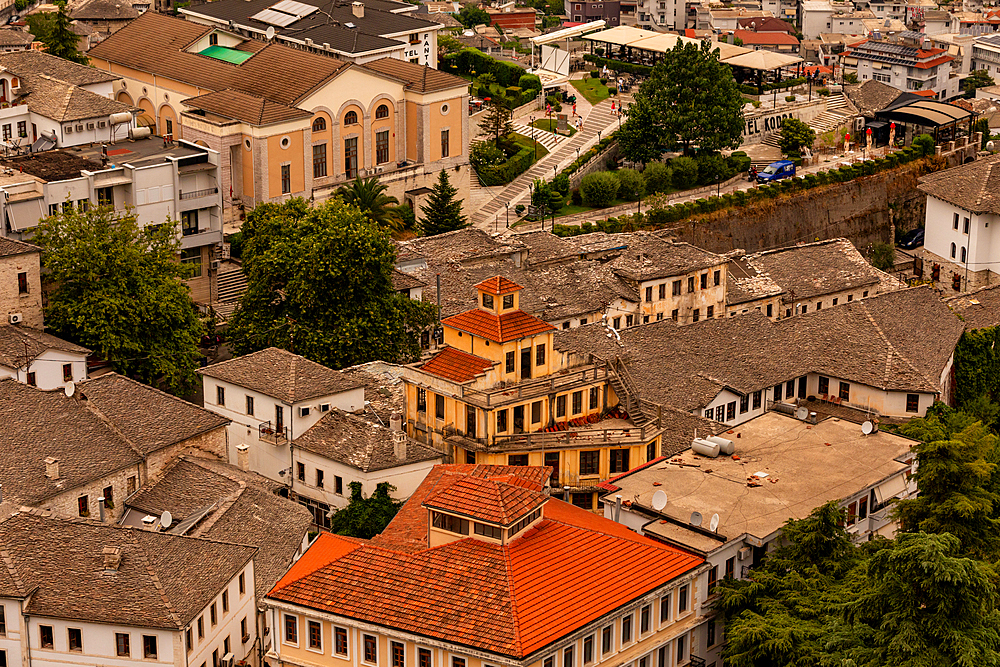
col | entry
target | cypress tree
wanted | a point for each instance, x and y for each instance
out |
(442, 213)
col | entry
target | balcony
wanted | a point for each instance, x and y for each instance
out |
(514, 392)
(273, 435)
(204, 198)
(194, 194)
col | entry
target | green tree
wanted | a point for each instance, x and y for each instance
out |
(495, 123)
(55, 31)
(116, 288)
(368, 194)
(599, 189)
(795, 135)
(956, 459)
(978, 78)
(319, 283)
(883, 256)
(923, 604)
(366, 517)
(693, 102)
(442, 212)
(640, 137)
(630, 184)
(924, 143)
(850, 77)
(471, 16)
(547, 197)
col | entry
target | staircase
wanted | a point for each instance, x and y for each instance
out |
(548, 139)
(232, 285)
(838, 110)
(627, 393)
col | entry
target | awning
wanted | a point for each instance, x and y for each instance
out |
(622, 35)
(928, 113)
(890, 488)
(567, 33)
(25, 215)
(876, 124)
(762, 60)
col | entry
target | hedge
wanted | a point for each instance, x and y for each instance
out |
(502, 174)
(618, 65)
(468, 60)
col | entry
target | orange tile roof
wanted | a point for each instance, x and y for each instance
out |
(500, 329)
(457, 366)
(486, 499)
(565, 572)
(498, 286)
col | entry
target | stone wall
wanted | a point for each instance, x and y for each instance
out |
(597, 163)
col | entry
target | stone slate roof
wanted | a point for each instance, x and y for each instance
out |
(974, 186)
(356, 442)
(15, 37)
(745, 283)
(460, 246)
(163, 581)
(979, 309)
(104, 10)
(383, 388)
(16, 341)
(38, 424)
(649, 257)
(546, 247)
(22, 62)
(898, 341)
(149, 418)
(405, 281)
(871, 96)
(280, 374)
(246, 510)
(814, 269)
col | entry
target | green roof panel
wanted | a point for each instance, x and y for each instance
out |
(225, 54)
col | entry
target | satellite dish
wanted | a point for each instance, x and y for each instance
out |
(166, 519)
(867, 427)
(714, 523)
(659, 500)
(269, 33)
(468, 33)
(990, 145)
(802, 413)
(69, 389)
(695, 519)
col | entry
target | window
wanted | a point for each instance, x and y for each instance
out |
(382, 147)
(517, 459)
(770, 309)
(561, 405)
(912, 402)
(626, 629)
(864, 294)
(962, 260)
(644, 619)
(757, 399)
(319, 160)
(7, 135)
(713, 579)
(291, 629)
(338, 485)
(192, 257)
(106, 196)
(486, 530)
(382, 111)
(730, 568)
(717, 278)
(696, 315)
(22, 283)
(850, 298)
(45, 636)
(665, 609)
(201, 627)
(691, 284)
(704, 281)
(421, 399)
(75, 639)
(607, 640)
(319, 479)
(351, 118)
(351, 157)
(953, 250)
(824, 385)
(212, 612)
(424, 658)
(649, 293)
(508, 301)
(243, 630)
(577, 402)
(549, 661)
(81, 506)
(619, 460)
(965, 225)
(243, 583)
(777, 393)
(536, 412)
(226, 645)
(674, 314)
(662, 291)
(122, 648)
(319, 125)
(682, 599)
(595, 397)
(149, 647)
(22, 128)
(744, 404)
(790, 389)
(444, 143)
(509, 363)
(215, 658)
(439, 406)
(67, 370)
(3, 622)
(568, 657)
(286, 178)
(651, 451)
(458, 662)
(540, 355)
(863, 508)
(398, 654)
(710, 312)
(301, 474)
(845, 391)
(954, 221)
(250, 406)
(340, 641)
(371, 649)
(677, 288)
(109, 497)
(501, 421)
(590, 462)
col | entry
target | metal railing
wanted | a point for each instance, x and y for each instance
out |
(583, 438)
(194, 194)
(539, 387)
(275, 435)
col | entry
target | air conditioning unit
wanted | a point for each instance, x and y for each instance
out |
(90, 126)
(215, 264)
(227, 660)
(304, 411)
(744, 554)
(859, 124)
(15, 318)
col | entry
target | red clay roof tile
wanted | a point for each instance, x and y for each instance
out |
(456, 365)
(500, 329)
(498, 286)
(487, 499)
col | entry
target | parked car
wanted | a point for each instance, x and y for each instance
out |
(776, 171)
(911, 239)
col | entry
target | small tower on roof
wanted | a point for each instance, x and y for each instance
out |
(498, 295)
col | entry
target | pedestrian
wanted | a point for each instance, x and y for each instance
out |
(574, 108)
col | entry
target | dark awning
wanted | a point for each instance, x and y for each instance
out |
(924, 112)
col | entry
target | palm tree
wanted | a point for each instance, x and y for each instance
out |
(369, 195)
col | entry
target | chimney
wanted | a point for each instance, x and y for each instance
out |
(148, 521)
(52, 468)
(358, 9)
(243, 457)
(618, 507)
(396, 421)
(112, 558)
(100, 506)
(399, 445)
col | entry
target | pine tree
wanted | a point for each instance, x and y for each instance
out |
(442, 213)
(496, 122)
(54, 29)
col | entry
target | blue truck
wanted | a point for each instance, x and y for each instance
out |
(776, 171)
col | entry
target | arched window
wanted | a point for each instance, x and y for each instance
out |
(963, 254)
(382, 111)
(351, 118)
(953, 251)
(319, 125)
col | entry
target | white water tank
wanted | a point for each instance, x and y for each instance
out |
(726, 447)
(705, 448)
(139, 132)
(119, 118)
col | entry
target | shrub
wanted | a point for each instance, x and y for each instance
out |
(530, 82)
(595, 73)
(685, 172)
(513, 91)
(485, 154)
(923, 145)
(630, 184)
(561, 184)
(657, 177)
(599, 189)
(823, 92)
(712, 168)
(576, 197)
(789, 98)
(404, 214)
(506, 172)
(739, 162)
(20, 5)
(612, 90)
(604, 81)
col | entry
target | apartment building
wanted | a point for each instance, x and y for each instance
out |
(120, 596)
(986, 55)
(608, 11)
(904, 64)
(288, 122)
(553, 584)
(20, 283)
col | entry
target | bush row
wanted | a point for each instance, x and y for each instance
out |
(470, 60)
(618, 65)
(506, 172)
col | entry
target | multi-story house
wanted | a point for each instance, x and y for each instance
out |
(20, 283)
(905, 65)
(498, 393)
(155, 180)
(986, 55)
(608, 11)
(289, 122)
(554, 585)
(121, 597)
(270, 398)
(39, 359)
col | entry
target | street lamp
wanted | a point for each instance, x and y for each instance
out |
(718, 185)
(531, 119)
(508, 214)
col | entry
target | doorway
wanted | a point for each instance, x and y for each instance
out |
(526, 363)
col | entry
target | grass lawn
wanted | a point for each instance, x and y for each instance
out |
(550, 125)
(521, 140)
(592, 89)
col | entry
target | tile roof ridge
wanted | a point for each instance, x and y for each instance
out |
(512, 593)
(891, 350)
(223, 507)
(90, 407)
(12, 571)
(143, 556)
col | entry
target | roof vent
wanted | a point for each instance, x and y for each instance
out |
(399, 445)
(52, 468)
(148, 521)
(358, 9)
(112, 558)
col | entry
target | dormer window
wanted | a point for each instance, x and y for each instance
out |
(452, 524)
(488, 301)
(213, 39)
(508, 301)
